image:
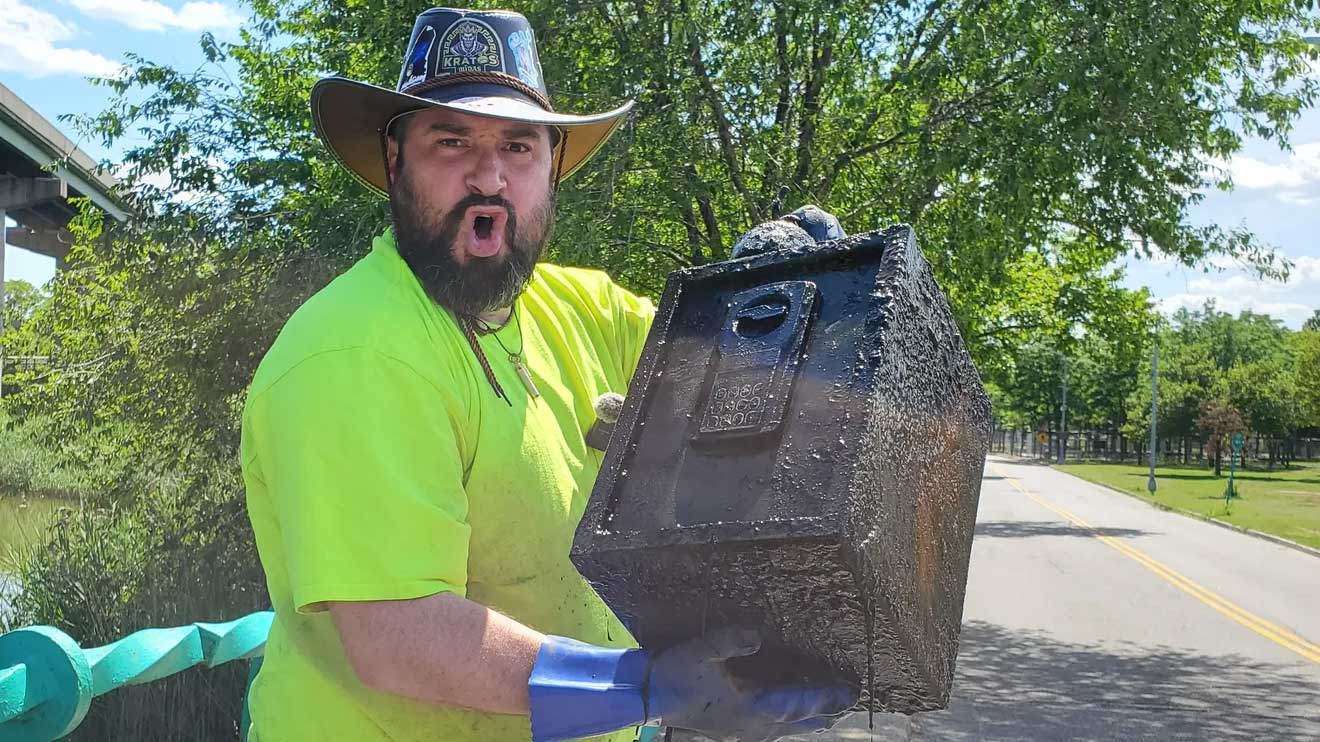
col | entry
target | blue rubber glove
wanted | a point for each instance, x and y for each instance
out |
(820, 224)
(691, 688)
(581, 690)
(578, 690)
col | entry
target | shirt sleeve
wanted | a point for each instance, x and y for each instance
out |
(360, 455)
(633, 315)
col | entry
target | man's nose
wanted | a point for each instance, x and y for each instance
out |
(487, 174)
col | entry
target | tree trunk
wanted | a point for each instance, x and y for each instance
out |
(1219, 461)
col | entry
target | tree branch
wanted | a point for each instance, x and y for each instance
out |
(961, 110)
(713, 237)
(690, 226)
(722, 128)
(820, 63)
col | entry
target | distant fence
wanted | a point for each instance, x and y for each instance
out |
(13, 365)
(47, 681)
(1090, 445)
(26, 364)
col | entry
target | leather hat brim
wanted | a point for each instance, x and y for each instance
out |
(350, 117)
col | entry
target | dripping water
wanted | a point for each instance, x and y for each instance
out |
(705, 602)
(870, 668)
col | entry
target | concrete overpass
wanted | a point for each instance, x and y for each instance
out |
(40, 171)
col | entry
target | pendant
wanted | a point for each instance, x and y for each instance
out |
(525, 376)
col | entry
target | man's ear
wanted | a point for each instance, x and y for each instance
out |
(392, 145)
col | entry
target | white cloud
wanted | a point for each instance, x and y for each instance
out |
(1296, 198)
(30, 45)
(1294, 181)
(1292, 313)
(1292, 301)
(1232, 285)
(1253, 174)
(150, 15)
(1306, 270)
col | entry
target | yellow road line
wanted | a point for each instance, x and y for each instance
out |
(1277, 634)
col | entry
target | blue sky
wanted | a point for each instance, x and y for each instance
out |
(48, 46)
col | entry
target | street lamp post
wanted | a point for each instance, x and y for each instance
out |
(1154, 392)
(1063, 416)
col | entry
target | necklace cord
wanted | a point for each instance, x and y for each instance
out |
(466, 324)
(494, 332)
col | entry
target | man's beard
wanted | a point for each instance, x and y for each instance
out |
(483, 284)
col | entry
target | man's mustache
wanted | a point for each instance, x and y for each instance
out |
(476, 199)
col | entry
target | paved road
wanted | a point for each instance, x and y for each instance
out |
(1147, 625)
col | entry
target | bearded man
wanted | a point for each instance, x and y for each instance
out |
(413, 442)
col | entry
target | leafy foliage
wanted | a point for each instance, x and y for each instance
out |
(1306, 373)
(1030, 143)
(21, 300)
(1249, 362)
(32, 467)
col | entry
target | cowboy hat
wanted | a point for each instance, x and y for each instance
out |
(479, 62)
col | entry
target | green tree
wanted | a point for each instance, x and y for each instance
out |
(22, 299)
(1306, 372)
(1312, 323)
(1266, 392)
(1248, 360)
(1008, 132)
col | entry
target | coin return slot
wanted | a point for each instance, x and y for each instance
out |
(762, 319)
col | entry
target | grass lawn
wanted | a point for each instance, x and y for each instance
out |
(1282, 503)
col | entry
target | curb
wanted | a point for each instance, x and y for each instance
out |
(1221, 523)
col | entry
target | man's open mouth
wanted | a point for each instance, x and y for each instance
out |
(482, 225)
(487, 236)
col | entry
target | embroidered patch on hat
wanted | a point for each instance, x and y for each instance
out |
(470, 46)
(415, 69)
(524, 56)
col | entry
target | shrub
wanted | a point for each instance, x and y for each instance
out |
(176, 551)
(32, 467)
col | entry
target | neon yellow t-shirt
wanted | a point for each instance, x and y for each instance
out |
(380, 465)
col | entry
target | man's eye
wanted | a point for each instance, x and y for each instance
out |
(450, 142)
(519, 147)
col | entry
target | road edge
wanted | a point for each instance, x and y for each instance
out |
(1281, 541)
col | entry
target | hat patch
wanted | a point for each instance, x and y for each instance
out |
(414, 70)
(524, 56)
(470, 46)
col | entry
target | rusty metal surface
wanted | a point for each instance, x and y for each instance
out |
(839, 521)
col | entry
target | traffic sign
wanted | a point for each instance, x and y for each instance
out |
(1239, 440)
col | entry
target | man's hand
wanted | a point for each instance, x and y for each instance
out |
(579, 690)
(690, 687)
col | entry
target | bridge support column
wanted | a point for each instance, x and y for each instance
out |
(3, 243)
(20, 193)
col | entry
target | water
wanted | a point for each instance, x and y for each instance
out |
(22, 520)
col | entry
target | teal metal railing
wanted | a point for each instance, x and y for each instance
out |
(47, 681)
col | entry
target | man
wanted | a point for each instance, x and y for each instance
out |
(413, 442)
